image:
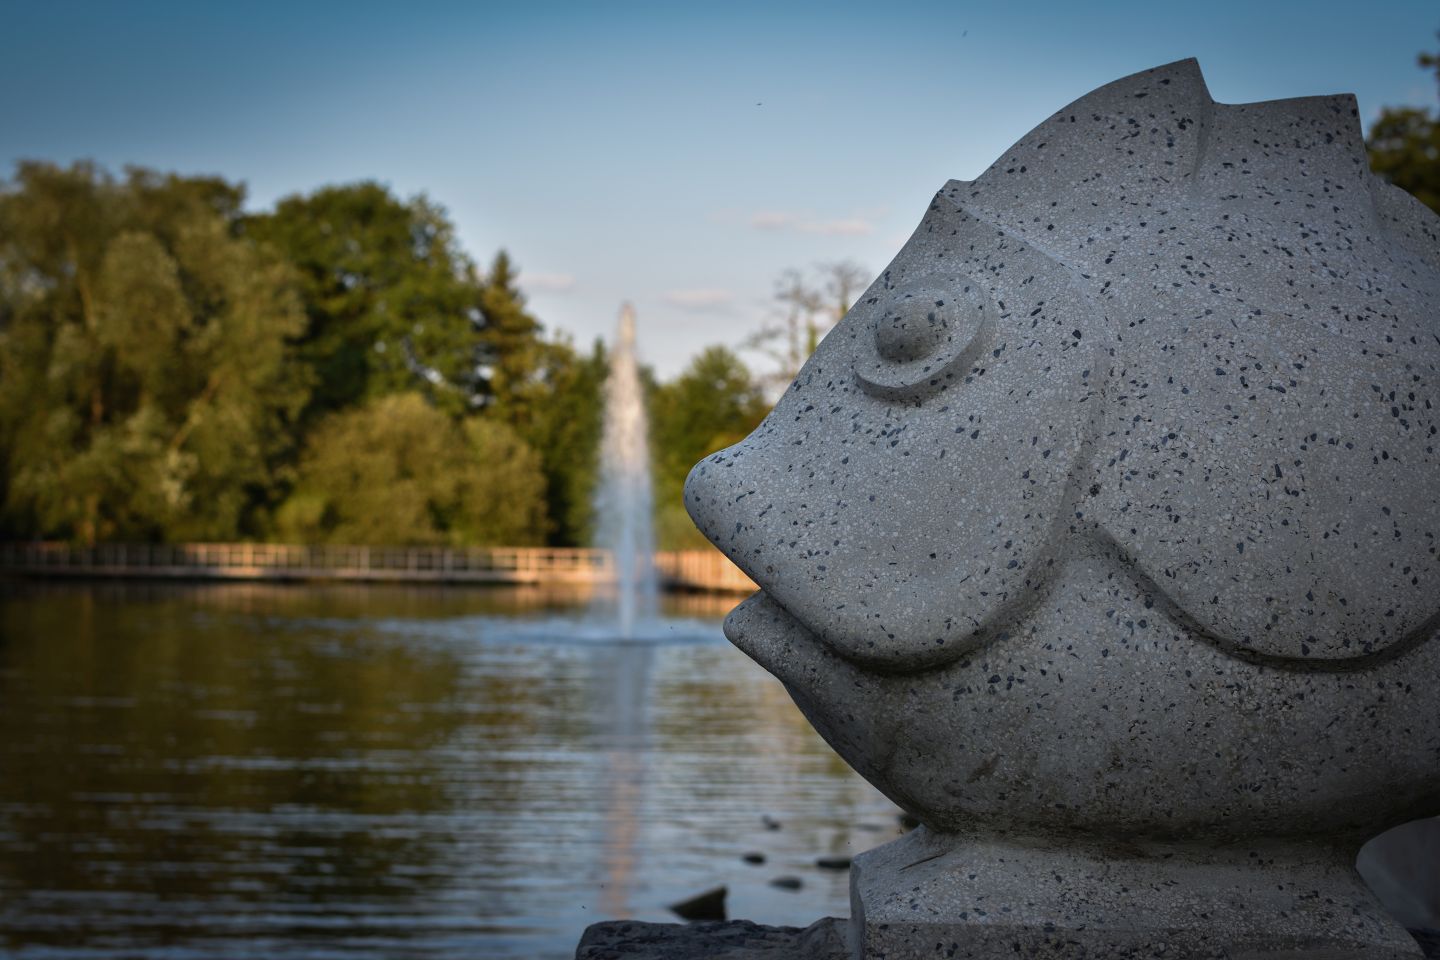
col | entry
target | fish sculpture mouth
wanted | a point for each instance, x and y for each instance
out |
(1041, 750)
(790, 648)
(759, 626)
(787, 646)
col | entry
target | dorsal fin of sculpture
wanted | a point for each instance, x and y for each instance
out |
(1306, 153)
(1124, 142)
(1157, 138)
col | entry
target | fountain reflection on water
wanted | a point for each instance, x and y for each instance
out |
(629, 605)
(623, 500)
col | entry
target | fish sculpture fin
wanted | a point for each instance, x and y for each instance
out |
(1137, 137)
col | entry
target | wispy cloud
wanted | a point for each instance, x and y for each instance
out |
(547, 282)
(776, 220)
(848, 227)
(701, 299)
(772, 220)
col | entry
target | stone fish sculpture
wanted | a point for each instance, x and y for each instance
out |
(1101, 536)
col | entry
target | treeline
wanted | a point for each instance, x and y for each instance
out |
(335, 370)
(1404, 143)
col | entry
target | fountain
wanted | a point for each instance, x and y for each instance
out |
(622, 493)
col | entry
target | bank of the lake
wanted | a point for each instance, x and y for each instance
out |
(704, 570)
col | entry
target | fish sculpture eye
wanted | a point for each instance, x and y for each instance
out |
(912, 331)
(920, 339)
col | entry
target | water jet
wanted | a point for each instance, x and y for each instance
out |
(623, 498)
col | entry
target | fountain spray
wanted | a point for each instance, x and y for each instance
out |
(622, 496)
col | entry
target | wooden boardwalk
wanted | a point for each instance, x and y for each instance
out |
(707, 570)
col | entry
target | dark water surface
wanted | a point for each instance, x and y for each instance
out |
(263, 771)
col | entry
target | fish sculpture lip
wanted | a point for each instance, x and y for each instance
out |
(1125, 467)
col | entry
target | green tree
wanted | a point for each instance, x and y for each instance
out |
(508, 359)
(563, 424)
(1404, 145)
(392, 302)
(146, 383)
(399, 471)
(714, 403)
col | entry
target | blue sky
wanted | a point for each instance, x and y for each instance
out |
(679, 156)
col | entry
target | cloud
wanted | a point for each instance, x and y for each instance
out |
(772, 220)
(775, 220)
(547, 282)
(849, 227)
(699, 299)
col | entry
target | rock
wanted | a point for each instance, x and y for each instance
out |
(1429, 941)
(787, 883)
(1102, 531)
(743, 940)
(770, 822)
(908, 821)
(1402, 868)
(709, 905)
(755, 858)
(833, 863)
(733, 940)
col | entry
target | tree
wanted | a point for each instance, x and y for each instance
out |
(1404, 145)
(714, 403)
(808, 309)
(146, 383)
(392, 302)
(509, 354)
(842, 283)
(399, 471)
(564, 426)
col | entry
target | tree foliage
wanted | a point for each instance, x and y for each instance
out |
(714, 403)
(147, 387)
(509, 356)
(1404, 145)
(392, 303)
(399, 471)
(563, 422)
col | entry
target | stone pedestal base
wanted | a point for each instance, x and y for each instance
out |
(931, 895)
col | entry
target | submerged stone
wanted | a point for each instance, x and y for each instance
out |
(709, 905)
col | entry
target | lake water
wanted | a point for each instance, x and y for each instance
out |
(246, 770)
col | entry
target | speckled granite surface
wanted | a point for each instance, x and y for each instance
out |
(719, 940)
(743, 940)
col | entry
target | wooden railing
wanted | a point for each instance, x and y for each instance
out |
(701, 570)
(678, 569)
